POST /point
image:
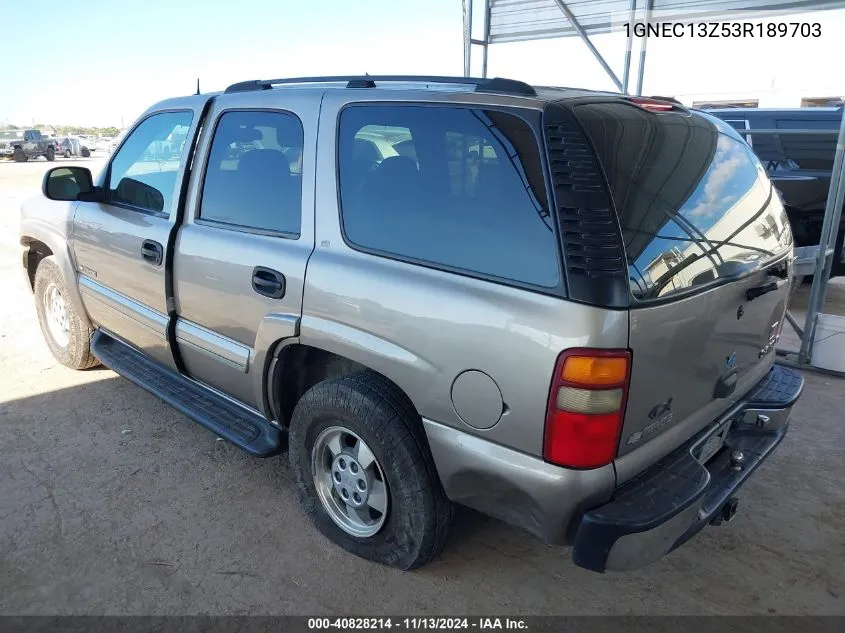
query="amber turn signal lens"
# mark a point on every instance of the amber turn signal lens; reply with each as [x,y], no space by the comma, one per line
[595,371]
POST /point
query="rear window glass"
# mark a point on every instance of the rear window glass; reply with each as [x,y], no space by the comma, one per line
[458,188]
[254,174]
[694,204]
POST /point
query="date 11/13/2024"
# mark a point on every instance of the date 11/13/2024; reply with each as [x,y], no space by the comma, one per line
[723,29]
[418,623]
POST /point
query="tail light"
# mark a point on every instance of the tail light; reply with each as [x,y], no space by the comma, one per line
[587,400]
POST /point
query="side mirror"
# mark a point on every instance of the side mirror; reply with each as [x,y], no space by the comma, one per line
[67,183]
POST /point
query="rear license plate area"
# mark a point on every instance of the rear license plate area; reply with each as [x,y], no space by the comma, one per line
[711,445]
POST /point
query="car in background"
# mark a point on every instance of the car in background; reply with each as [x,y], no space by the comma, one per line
[103,144]
[799,165]
[22,145]
[71,146]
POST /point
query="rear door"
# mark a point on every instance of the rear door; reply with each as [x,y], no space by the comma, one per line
[241,253]
[707,242]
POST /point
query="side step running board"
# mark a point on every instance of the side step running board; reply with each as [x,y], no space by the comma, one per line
[244,429]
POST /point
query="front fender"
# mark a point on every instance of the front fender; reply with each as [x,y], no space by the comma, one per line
[49,222]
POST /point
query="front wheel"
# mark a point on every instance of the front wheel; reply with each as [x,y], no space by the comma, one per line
[85,152]
[19,155]
[364,472]
[66,334]
[67,153]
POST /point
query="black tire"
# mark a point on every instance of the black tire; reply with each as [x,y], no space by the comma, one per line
[19,155]
[85,152]
[419,516]
[50,154]
[76,354]
[67,153]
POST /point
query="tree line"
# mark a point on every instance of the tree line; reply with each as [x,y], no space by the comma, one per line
[63,130]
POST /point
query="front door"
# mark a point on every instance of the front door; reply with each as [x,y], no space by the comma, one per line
[119,244]
[241,253]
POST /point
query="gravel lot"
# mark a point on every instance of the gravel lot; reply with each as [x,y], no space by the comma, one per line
[111,502]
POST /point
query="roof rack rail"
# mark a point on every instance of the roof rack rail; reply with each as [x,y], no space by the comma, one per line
[496,84]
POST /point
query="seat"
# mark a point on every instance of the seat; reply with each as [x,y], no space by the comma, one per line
[396,179]
[263,167]
[260,193]
[269,192]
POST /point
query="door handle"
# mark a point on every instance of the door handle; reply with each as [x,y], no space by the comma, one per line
[759,291]
[152,251]
[268,282]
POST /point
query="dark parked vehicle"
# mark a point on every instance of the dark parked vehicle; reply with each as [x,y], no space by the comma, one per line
[555,306]
[799,165]
[25,144]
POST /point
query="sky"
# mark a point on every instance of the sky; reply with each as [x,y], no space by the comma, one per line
[108,60]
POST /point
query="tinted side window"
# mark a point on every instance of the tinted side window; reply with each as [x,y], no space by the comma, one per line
[143,172]
[456,187]
[693,201]
[254,173]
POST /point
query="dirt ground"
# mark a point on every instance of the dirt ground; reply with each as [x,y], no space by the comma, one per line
[113,503]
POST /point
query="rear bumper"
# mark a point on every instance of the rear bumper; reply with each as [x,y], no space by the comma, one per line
[664,506]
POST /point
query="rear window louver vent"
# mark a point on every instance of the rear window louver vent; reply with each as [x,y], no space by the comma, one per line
[589,229]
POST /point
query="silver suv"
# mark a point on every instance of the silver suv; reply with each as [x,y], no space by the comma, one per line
[556,306]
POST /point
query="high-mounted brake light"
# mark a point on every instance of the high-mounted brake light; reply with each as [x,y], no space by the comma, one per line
[586,407]
[653,105]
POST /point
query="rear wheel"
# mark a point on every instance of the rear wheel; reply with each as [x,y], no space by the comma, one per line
[67,153]
[66,334]
[50,154]
[19,155]
[364,472]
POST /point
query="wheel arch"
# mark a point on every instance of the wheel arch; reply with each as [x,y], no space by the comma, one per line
[34,251]
[294,367]
[39,243]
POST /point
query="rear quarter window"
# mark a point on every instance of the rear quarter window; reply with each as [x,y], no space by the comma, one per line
[694,204]
[456,188]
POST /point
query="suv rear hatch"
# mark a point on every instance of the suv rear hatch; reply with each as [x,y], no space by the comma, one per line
[706,245]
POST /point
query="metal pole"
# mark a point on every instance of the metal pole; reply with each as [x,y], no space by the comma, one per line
[579,29]
[467,36]
[827,243]
[626,72]
[643,40]
[765,131]
[486,38]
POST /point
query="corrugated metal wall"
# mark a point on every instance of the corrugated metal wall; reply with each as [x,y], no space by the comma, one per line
[515,20]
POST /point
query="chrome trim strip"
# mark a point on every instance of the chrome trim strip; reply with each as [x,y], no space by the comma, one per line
[226,396]
[213,344]
[199,383]
[144,315]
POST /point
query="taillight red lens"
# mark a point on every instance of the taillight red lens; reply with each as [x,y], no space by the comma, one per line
[582,440]
[583,423]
